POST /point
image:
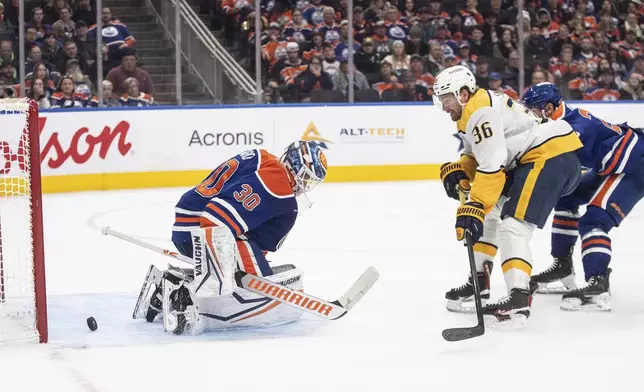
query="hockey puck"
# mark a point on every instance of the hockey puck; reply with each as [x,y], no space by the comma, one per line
[91,323]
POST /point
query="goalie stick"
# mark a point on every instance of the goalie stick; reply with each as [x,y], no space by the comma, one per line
[456,334]
[330,310]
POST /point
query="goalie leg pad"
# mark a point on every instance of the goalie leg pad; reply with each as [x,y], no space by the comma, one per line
[152,280]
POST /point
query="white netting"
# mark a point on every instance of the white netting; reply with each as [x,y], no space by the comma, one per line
[17,292]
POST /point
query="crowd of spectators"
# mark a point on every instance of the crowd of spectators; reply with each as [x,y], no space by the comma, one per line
[61,61]
[592,49]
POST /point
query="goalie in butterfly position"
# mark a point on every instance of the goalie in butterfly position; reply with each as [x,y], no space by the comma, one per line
[242,210]
[519,167]
[611,187]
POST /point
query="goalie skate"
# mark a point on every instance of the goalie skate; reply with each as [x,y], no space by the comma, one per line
[595,297]
[461,299]
[559,278]
[142,307]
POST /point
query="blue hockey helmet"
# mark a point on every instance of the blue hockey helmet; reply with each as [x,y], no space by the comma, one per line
[541,94]
[307,163]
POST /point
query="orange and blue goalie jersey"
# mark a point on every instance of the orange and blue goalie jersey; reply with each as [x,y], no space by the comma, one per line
[251,194]
[608,148]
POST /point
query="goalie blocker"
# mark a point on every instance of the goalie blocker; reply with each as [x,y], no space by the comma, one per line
[206,298]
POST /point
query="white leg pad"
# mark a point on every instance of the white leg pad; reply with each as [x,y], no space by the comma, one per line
[514,243]
[214,253]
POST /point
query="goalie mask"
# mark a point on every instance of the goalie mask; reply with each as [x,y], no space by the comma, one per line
[307,163]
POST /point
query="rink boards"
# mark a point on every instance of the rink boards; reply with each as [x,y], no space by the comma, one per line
[177,146]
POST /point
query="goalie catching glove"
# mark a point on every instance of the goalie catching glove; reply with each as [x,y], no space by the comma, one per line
[454,178]
[469,217]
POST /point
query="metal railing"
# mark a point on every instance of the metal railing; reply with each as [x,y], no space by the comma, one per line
[222,76]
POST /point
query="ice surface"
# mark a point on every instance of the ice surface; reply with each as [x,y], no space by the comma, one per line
[390,341]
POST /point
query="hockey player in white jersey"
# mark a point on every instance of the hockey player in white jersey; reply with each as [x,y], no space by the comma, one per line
[515,167]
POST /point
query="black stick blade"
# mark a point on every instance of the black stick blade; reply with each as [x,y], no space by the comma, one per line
[456,334]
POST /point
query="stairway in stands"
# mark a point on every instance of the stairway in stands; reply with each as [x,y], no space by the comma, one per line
[156,54]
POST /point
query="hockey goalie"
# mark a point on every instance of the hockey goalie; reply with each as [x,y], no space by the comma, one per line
[244,209]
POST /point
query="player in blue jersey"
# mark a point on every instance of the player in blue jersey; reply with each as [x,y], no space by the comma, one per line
[611,187]
[243,209]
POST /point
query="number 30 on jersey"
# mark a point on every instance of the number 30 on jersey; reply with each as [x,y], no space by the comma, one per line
[481,132]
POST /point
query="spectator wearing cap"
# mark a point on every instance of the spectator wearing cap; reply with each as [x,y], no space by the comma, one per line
[8,70]
[274,48]
[70,51]
[328,27]
[37,22]
[360,25]
[398,58]
[287,68]
[548,27]
[367,61]
[465,57]
[491,29]
[414,92]
[312,78]
[115,34]
[133,96]
[417,69]
[65,27]
[341,79]
[606,89]
[397,28]
[128,69]
[415,44]
[298,30]
[82,83]
[314,12]
[505,45]
[435,63]
[537,47]
[66,97]
[496,84]
[632,89]
[380,39]
[83,11]
[330,63]
[342,47]
[80,39]
[478,45]
[51,49]
[388,80]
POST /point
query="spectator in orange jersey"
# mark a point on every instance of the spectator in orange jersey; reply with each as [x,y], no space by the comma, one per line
[564,68]
[417,69]
[311,79]
[632,89]
[287,68]
[496,84]
[630,48]
[578,86]
[274,49]
[606,90]
[608,25]
[548,27]
[317,41]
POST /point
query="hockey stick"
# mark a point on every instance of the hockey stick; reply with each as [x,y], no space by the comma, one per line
[456,334]
[330,310]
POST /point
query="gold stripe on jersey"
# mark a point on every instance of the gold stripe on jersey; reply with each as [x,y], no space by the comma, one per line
[480,99]
[469,165]
[552,147]
[528,188]
[487,188]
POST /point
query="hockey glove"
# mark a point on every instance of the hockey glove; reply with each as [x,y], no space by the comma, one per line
[454,178]
[469,217]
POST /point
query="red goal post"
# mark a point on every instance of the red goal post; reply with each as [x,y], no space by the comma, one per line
[23,299]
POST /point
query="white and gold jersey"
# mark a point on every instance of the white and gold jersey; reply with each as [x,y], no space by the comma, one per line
[498,134]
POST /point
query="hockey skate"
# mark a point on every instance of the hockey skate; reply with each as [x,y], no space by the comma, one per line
[595,297]
[461,299]
[512,310]
[559,278]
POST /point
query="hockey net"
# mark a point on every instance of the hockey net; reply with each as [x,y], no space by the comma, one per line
[23,308]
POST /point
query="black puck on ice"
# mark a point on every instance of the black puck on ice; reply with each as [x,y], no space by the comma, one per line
[91,323]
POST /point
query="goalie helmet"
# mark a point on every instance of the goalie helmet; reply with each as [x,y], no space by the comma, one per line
[451,80]
[307,163]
